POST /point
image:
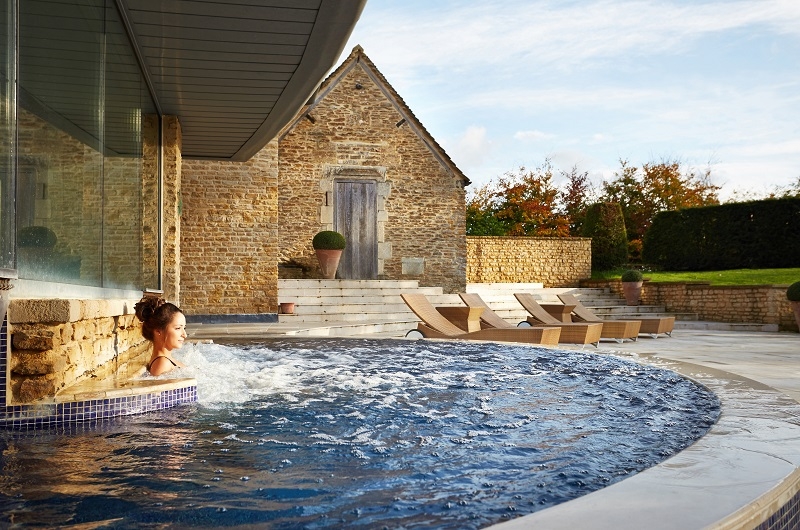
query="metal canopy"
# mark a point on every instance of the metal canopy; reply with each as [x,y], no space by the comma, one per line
[236,72]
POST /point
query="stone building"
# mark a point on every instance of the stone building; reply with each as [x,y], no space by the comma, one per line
[357,160]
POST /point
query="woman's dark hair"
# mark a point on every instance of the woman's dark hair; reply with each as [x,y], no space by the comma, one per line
[154,313]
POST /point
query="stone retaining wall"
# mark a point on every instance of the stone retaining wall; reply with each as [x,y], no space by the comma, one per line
[58,343]
[757,304]
[554,262]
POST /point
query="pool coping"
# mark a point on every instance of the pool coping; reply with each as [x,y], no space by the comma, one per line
[742,474]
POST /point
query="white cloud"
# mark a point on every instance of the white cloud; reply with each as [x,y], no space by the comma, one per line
[471,148]
[533,136]
[607,80]
[446,36]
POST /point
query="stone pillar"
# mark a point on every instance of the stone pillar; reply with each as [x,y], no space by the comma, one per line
[171,201]
[150,201]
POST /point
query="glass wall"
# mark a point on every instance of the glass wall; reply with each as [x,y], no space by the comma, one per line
[87,164]
[7,38]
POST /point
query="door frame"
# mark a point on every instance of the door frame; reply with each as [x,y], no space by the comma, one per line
[331,173]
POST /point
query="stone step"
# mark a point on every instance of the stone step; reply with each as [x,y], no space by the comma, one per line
[396,328]
[287,293]
[364,298]
[724,326]
[347,284]
[348,316]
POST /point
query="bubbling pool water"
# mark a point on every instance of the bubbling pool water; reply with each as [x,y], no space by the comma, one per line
[361,433]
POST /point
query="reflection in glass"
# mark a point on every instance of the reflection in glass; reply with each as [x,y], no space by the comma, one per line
[81,173]
[6,136]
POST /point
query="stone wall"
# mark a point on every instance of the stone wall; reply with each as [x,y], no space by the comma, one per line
[94,204]
[171,197]
[229,235]
[757,304]
[58,343]
[356,131]
[554,262]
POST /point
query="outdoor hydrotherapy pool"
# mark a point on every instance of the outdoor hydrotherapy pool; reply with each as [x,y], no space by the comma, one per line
[360,433]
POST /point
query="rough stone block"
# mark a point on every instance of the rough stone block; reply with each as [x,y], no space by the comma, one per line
[55,310]
[34,388]
[25,362]
[34,339]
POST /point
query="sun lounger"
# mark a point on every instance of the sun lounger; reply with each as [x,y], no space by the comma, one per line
[571,332]
[435,325]
[618,330]
[649,325]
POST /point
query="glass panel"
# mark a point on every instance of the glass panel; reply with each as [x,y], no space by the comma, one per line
[87,173]
[60,108]
[129,180]
[6,136]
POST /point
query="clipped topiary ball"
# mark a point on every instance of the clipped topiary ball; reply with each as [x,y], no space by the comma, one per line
[793,292]
[631,275]
[328,240]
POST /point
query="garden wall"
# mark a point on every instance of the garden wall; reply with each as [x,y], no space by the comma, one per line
[757,304]
[555,262]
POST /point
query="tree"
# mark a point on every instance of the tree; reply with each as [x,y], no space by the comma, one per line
[521,203]
[526,201]
[657,187]
[481,220]
[605,225]
[575,198]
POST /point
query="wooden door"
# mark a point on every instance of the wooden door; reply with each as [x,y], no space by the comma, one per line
[356,218]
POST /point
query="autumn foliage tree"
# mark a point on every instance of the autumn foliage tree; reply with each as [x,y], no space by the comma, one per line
[521,203]
[657,187]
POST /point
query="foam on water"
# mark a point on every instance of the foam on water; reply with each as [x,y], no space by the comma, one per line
[332,433]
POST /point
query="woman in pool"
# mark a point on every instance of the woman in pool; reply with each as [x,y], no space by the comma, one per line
[164,325]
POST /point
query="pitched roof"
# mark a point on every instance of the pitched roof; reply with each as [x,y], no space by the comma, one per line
[358,57]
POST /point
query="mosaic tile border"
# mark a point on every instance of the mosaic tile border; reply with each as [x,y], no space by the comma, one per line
[43,416]
[27,417]
[786,518]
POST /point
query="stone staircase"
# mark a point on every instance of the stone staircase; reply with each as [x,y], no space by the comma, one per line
[374,307]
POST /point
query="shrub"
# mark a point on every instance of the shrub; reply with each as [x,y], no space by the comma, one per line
[328,240]
[793,292]
[747,235]
[36,236]
[631,275]
[605,225]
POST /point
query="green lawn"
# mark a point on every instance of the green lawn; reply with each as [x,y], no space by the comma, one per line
[730,277]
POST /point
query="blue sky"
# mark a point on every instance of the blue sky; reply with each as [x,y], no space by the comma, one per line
[590,82]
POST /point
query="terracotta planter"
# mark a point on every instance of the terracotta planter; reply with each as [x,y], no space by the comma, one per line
[632,291]
[328,262]
[286,308]
[796,309]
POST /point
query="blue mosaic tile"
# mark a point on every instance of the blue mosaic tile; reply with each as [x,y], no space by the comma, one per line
[786,518]
[32,417]
[3,360]
[38,417]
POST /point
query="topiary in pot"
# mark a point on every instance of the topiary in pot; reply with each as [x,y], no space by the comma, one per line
[328,246]
[793,295]
[632,286]
[631,275]
[328,240]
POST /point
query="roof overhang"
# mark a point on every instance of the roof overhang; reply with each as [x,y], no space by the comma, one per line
[236,72]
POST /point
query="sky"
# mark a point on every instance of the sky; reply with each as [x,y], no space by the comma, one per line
[587,83]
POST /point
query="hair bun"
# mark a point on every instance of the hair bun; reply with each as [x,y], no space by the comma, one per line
[147,306]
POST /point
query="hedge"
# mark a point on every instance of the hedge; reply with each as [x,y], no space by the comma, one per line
[757,234]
